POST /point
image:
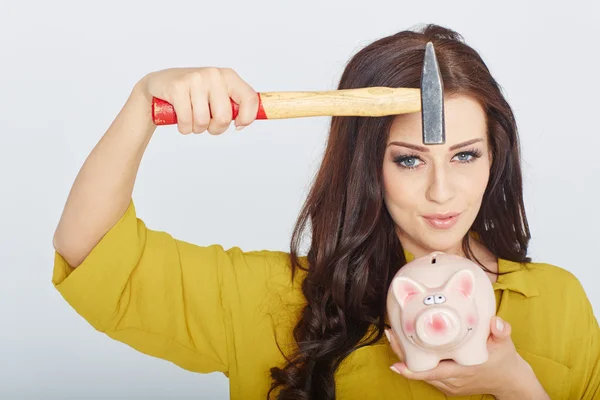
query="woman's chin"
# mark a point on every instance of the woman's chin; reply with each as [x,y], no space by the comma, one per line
[426,239]
[448,242]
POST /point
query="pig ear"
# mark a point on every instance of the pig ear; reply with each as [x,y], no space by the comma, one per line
[462,281]
[404,288]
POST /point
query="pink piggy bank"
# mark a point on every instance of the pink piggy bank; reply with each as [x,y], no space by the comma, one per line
[440,307]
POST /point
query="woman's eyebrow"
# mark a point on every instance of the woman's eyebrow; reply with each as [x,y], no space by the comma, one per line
[425,149]
[464,144]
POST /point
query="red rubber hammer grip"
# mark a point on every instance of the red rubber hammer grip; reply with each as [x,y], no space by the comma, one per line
[163,112]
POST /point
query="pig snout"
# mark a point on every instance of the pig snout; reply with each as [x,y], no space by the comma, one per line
[438,324]
[437,327]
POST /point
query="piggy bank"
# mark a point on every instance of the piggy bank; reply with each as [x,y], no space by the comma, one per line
[440,307]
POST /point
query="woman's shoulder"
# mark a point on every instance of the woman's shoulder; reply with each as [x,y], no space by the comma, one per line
[546,280]
[549,271]
[273,262]
[262,276]
[550,275]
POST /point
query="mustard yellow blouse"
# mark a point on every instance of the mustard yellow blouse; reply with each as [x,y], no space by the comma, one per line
[208,309]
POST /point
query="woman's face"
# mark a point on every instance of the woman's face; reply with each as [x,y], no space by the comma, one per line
[434,192]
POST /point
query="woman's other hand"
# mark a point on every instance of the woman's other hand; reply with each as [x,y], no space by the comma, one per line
[196,93]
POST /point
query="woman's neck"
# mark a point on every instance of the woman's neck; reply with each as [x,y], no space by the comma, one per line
[479,250]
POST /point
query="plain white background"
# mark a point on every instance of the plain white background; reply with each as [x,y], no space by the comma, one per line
[68,66]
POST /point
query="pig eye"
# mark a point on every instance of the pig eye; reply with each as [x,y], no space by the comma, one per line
[440,298]
[429,300]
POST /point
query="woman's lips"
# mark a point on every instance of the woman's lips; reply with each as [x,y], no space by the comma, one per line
[442,221]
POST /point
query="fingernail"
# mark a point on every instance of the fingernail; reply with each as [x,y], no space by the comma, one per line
[395,370]
[240,127]
[499,324]
[387,334]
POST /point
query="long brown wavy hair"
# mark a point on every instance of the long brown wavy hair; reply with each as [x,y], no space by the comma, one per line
[354,250]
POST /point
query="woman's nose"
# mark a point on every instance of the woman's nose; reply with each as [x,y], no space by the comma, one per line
[440,189]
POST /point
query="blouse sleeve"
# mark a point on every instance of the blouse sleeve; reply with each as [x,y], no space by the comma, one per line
[161,296]
[585,349]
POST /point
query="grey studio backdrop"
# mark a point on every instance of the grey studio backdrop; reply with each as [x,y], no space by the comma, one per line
[68,66]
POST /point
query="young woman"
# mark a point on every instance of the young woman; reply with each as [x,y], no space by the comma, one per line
[313,326]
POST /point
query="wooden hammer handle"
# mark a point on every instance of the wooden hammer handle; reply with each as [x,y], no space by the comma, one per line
[362,102]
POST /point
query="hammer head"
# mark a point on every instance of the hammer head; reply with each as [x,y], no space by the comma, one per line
[432,99]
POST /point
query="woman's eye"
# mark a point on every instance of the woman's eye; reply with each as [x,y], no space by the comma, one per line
[408,162]
[464,156]
[468,156]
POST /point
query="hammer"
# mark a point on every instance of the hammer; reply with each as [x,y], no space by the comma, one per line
[362,102]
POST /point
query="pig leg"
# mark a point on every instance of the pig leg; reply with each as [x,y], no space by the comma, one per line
[474,357]
[473,353]
[421,361]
